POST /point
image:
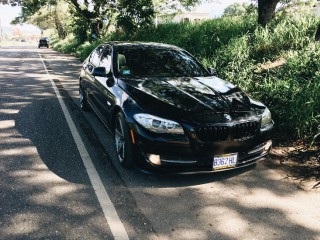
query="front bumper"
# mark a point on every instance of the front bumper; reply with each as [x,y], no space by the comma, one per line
[185,154]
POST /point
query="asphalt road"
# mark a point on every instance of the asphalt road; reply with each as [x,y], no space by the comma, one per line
[47,191]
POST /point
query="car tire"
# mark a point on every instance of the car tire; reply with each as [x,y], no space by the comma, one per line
[123,144]
[84,105]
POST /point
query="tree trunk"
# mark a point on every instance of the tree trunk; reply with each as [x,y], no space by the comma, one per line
[266,11]
[317,37]
[59,26]
[95,30]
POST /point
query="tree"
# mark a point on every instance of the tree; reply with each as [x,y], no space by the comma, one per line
[60,16]
[317,37]
[267,8]
[166,7]
[192,3]
[135,14]
[93,12]
[11,2]
[238,9]
[266,11]
[90,17]
[53,17]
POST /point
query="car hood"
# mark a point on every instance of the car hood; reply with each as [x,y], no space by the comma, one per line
[198,95]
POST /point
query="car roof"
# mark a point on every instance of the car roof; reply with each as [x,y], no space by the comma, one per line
[138,44]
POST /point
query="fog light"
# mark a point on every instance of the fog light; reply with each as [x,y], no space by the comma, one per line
[155,159]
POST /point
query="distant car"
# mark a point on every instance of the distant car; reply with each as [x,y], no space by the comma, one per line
[168,112]
[43,42]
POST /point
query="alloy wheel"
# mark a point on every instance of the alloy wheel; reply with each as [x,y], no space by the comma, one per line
[120,141]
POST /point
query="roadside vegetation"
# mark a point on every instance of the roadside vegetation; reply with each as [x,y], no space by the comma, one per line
[278,64]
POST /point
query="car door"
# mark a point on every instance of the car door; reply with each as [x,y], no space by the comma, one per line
[91,82]
[102,94]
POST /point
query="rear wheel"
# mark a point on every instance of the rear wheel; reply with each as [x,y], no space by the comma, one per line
[123,143]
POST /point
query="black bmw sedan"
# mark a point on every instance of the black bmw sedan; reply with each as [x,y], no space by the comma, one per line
[167,112]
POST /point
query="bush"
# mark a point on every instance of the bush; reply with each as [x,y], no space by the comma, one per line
[295,93]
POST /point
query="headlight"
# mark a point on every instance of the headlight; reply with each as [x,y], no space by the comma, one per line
[157,124]
[266,119]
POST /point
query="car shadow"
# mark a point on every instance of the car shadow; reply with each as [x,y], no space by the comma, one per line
[44,124]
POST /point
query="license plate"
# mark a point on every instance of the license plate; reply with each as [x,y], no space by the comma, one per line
[224,161]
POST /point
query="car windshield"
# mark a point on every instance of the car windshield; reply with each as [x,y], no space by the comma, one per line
[156,62]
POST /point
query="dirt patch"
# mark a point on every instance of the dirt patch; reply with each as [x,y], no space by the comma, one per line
[300,163]
[265,67]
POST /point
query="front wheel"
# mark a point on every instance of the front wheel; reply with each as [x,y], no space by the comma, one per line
[84,105]
[123,143]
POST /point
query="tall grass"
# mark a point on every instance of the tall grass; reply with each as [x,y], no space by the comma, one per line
[238,49]
[202,40]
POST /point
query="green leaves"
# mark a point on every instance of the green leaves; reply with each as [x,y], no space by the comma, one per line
[239,9]
[135,14]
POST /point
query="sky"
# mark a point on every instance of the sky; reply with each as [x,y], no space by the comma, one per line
[216,7]
[8,13]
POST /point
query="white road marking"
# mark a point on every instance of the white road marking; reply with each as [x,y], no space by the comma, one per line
[110,213]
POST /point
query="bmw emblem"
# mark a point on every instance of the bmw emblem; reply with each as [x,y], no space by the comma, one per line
[227,117]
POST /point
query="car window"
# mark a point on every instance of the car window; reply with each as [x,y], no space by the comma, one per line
[151,62]
[92,56]
[106,59]
[96,56]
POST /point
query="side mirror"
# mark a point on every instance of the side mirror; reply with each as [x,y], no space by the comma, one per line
[110,81]
[99,72]
[212,71]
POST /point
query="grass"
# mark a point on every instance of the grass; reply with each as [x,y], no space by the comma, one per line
[238,49]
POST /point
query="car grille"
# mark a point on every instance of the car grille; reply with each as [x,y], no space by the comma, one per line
[215,133]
